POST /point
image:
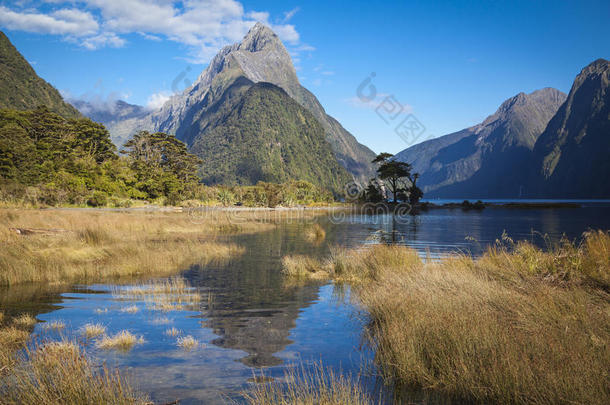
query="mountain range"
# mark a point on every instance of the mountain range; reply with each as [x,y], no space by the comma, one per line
[539,145]
[207,105]
[249,119]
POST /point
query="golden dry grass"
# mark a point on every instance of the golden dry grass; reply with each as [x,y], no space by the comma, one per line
[60,373]
[304,387]
[55,325]
[172,331]
[11,340]
[187,342]
[123,340]
[89,245]
[24,321]
[92,330]
[516,326]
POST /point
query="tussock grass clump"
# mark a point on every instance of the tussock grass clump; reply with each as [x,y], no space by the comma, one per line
[132,309]
[60,373]
[172,331]
[353,266]
[303,267]
[316,387]
[517,326]
[315,233]
[92,330]
[24,321]
[123,340]
[187,342]
[11,340]
[56,325]
[52,246]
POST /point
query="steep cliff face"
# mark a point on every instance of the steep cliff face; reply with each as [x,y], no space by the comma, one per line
[488,159]
[22,89]
[572,156]
[259,57]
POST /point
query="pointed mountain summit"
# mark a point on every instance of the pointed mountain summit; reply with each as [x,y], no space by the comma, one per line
[22,89]
[259,57]
[485,160]
[572,156]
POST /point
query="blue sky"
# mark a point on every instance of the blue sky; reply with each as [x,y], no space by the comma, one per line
[448,63]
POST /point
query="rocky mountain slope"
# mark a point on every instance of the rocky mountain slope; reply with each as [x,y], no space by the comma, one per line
[572,156]
[489,159]
[22,89]
[259,57]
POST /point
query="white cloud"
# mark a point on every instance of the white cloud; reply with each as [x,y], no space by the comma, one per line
[102,40]
[203,25]
[156,100]
[60,22]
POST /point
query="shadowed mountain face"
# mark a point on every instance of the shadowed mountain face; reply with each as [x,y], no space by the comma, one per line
[260,57]
[488,159]
[22,89]
[572,156]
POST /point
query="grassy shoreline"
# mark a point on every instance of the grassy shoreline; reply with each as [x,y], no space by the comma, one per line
[516,326]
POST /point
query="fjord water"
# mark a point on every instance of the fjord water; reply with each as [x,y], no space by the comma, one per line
[251,320]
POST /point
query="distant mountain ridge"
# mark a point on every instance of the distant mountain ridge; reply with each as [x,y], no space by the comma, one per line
[259,57]
[22,89]
[481,161]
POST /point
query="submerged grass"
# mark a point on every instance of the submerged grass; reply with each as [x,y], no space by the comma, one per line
[165,295]
[57,245]
[92,330]
[517,326]
[318,386]
[187,342]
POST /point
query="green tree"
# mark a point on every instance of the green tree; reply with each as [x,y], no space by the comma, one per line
[163,165]
[397,177]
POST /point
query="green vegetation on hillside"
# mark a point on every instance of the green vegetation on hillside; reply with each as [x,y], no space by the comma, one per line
[22,89]
[49,160]
[267,136]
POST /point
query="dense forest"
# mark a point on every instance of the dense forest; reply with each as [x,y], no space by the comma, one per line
[46,159]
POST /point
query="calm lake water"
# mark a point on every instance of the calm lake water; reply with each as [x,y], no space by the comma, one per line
[251,320]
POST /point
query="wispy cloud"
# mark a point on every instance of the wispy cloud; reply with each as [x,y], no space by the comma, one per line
[289,14]
[203,25]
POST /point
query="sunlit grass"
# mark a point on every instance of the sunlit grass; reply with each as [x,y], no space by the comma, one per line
[92,330]
[187,342]
[517,326]
[132,309]
[60,373]
[64,245]
[56,325]
[318,386]
[24,320]
[123,340]
[172,332]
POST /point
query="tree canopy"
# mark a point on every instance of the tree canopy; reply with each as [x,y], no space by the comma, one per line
[397,177]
